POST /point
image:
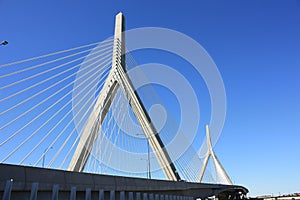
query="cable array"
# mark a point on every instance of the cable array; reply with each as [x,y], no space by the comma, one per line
[38,119]
[46,101]
[121,147]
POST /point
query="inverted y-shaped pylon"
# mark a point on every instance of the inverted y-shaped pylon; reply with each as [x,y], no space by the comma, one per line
[118,78]
[219,168]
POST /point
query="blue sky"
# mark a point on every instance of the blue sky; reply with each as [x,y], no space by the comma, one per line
[255,44]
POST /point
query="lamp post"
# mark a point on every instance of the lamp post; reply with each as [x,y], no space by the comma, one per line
[148,148]
[44,156]
[4,42]
[148,157]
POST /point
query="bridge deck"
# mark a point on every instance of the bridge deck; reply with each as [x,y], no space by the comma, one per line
[24,176]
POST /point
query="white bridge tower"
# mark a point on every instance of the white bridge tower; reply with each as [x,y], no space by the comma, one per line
[118,78]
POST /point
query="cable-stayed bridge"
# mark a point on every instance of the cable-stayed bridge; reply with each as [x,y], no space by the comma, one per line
[78,110]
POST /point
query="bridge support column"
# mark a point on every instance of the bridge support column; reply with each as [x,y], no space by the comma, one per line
[101,194]
[88,194]
[112,195]
[73,193]
[145,196]
[122,195]
[55,190]
[7,191]
[151,196]
[162,197]
[34,190]
[138,196]
[130,196]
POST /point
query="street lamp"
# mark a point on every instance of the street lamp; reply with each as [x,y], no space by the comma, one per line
[44,156]
[148,159]
[148,148]
[4,42]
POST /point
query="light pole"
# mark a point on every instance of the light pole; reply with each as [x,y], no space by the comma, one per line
[44,156]
[148,148]
[148,159]
[4,42]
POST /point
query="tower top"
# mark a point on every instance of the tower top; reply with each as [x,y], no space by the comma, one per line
[119,40]
[119,23]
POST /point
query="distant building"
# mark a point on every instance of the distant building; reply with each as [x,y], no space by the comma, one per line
[295,196]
